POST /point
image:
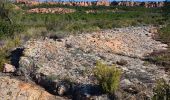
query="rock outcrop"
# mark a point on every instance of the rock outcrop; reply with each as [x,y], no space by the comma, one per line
[13,89]
[145,4]
[8,68]
[65,66]
[96,3]
[51,10]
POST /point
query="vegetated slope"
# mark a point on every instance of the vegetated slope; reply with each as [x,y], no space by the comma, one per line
[25,25]
[163,57]
[71,60]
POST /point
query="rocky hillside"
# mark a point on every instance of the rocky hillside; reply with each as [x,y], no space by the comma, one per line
[64,66]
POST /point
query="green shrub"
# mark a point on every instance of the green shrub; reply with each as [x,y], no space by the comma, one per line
[3,58]
[164,34]
[6,50]
[7,29]
[162,90]
[163,58]
[10,19]
[108,77]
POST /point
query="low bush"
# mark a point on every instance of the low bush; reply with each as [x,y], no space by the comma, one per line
[108,77]
[5,50]
[163,58]
[162,90]
[164,34]
[8,30]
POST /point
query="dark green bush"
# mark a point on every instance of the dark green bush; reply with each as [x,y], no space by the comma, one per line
[8,30]
[9,19]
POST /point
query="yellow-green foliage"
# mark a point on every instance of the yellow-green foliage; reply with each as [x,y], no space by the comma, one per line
[162,90]
[5,50]
[108,77]
[11,43]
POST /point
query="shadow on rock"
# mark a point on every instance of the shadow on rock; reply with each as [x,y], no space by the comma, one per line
[15,56]
[74,91]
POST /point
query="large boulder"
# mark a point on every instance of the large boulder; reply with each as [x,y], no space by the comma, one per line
[13,89]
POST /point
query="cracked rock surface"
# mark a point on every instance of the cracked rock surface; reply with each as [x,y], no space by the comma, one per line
[73,58]
[13,89]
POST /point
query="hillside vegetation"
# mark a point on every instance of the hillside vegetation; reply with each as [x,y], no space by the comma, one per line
[163,57]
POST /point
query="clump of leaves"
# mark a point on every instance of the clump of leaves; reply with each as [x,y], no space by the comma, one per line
[108,77]
[162,90]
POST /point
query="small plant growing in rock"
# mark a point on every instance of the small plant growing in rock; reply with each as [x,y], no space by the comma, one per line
[162,90]
[108,77]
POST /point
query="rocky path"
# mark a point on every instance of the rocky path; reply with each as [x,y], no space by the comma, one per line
[65,66]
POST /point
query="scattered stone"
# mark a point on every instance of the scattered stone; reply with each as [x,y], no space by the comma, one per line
[100,97]
[122,62]
[125,83]
[132,90]
[8,68]
[61,90]
[68,46]
[153,30]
